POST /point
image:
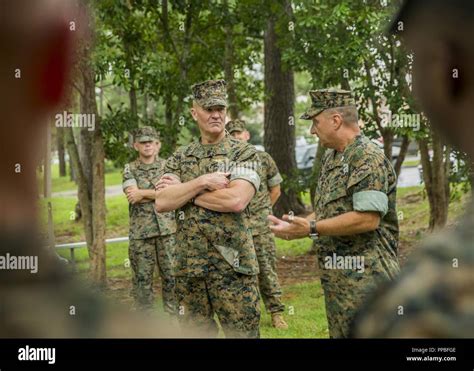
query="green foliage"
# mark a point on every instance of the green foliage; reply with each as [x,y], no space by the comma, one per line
[459,177]
[151,51]
[345,44]
[116,127]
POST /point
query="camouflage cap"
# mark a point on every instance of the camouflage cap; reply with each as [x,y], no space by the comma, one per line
[145,134]
[210,93]
[235,125]
[327,98]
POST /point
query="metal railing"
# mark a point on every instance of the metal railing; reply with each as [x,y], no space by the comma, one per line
[77,245]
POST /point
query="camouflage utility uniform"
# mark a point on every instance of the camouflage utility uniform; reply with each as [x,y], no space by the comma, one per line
[152,238]
[360,178]
[260,207]
[216,262]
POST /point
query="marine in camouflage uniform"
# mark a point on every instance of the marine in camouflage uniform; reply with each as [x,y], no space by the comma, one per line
[360,178]
[355,210]
[260,207]
[152,234]
[217,266]
[433,296]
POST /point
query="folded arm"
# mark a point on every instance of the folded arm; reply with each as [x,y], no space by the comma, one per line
[174,196]
[136,195]
[233,199]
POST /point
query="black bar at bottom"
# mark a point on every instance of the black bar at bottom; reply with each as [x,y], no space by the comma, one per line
[140,352]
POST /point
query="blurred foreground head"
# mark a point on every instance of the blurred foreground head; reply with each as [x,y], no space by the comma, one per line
[36,42]
[433,296]
[439,32]
[36,45]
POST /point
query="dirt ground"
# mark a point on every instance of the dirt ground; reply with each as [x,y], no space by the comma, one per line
[291,270]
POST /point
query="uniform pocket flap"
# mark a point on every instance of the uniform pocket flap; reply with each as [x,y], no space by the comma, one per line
[335,194]
[230,255]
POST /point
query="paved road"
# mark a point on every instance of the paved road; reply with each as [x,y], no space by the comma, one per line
[114,190]
[409,176]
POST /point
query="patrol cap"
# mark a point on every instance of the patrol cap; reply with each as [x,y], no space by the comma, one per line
[235,126]
[145,134]
[323,99]
[210,93]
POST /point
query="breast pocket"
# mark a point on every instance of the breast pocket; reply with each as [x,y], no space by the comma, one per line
[143,182]
[189,170]
[334,198]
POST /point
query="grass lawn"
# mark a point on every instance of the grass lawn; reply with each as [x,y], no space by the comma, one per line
[61,184]
[412,207]
[305,312]
[411,163]
[413,210]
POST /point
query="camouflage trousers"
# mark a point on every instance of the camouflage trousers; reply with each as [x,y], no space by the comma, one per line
[144,256]
[346,290]
[268,279]
[232,296]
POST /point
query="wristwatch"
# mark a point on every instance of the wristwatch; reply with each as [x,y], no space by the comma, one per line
[313,233]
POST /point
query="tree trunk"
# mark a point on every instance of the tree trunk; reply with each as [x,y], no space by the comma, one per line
[471,176]
[402,155]
[85,149]
[279,128]
[82,185]
[229,67]
[89,165]
[72,174]
[97,250]
[439,182]
[387,136]
[61,152]
[132,93]
[435,176]
[168,109]
[145,106]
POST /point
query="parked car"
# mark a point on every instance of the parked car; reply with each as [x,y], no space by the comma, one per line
[305,156]
[395,149]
